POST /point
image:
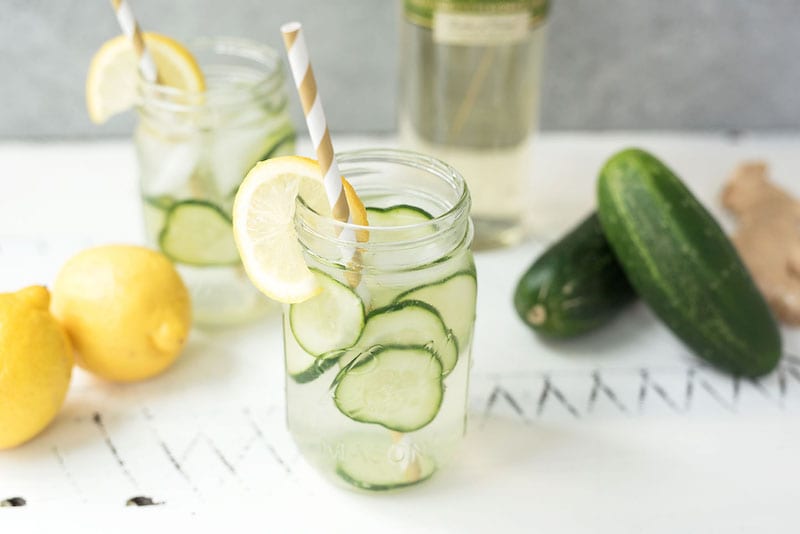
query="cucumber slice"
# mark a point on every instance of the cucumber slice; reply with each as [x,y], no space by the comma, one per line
[329,322]
[397,387]
[303,367]
[376,464]
[397,216]
[379,295]
[410,322]
[454,299]
[197,232]
[162,202]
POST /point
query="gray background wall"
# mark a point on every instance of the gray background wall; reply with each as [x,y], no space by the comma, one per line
[610,64]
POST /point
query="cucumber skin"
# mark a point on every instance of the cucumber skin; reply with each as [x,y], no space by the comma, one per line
[683,265]
[577,285]
[379,487]
[427,216]
[315,371]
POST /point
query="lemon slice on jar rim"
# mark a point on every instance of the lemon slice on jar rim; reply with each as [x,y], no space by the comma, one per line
[263,224]
[113,73]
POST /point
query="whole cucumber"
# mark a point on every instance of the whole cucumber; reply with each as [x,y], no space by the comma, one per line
[683,265]
[574,286]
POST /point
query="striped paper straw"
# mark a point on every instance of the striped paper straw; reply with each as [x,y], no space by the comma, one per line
[303,75]
[147,67]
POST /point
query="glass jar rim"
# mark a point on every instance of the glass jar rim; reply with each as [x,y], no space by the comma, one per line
[265,61]
[344,234]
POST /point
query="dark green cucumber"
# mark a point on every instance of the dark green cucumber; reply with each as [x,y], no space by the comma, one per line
[575,286]
[682,264]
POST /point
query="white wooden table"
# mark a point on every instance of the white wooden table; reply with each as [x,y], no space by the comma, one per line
[621,431]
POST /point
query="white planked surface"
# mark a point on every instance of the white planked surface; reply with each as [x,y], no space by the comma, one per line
[621,431]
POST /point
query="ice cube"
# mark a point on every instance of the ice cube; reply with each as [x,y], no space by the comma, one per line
[166,162]
[234,151]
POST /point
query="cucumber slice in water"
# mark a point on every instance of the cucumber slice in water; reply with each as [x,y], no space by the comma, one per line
[454,299]
[330,322]
[380,296]
[303,367]
[199,233]
[378,464]
[399,215]
[397,387]
[407,323]
[162,202]
[393,216]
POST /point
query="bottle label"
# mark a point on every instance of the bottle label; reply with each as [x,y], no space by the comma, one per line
[478,29]
[477,22]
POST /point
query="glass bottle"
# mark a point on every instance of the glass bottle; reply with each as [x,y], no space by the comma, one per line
[469,94]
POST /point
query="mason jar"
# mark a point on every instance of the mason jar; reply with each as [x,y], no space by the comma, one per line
[378,363]
[469,94]
[194,149]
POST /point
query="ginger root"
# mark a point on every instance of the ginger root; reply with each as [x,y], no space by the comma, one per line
[768,236]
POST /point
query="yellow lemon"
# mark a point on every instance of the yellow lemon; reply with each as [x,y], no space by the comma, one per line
[35,365]
[125,309]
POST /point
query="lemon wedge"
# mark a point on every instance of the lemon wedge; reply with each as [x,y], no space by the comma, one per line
[113,73]
[263,226]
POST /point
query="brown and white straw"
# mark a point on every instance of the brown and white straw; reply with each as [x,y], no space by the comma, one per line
[147,67]
[303,74]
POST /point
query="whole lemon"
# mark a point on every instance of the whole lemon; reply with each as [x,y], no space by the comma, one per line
[35,365]
[125,309]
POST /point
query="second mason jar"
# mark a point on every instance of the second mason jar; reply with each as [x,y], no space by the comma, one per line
[378,363]
[469,94]
[194,150]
